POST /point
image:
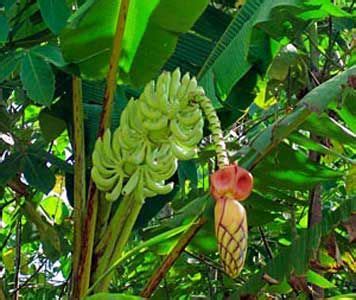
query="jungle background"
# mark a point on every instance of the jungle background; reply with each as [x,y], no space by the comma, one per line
[281,76]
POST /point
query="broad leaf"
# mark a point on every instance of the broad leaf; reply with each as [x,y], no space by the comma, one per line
[38,174]
[51,126]
[319,280]
[51,53]
[315,101]
[296,257]
[243,44]
[53,206]
[151,35]
[4,28]
[8,63]
[37,78]
[55,13]
[9,167]
[285,168]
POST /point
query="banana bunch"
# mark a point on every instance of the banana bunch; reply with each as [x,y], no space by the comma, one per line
[107,171]
[170,113]
[165,124]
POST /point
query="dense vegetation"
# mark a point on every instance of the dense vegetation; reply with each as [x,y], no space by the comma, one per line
[282,79]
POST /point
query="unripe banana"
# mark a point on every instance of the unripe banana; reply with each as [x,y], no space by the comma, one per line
[106,146]
[174,86]
[159,137]
[148,193]
[157,124]
[156,186]
[182,91]
[165,172]
[103,183]
[106,171]
[177,131]
[182,152]
[132,182]
[150,96]
[149,112]
[162,90]
[138,156]
[191,118]
[116,191]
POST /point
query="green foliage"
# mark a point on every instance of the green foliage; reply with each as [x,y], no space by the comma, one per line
[282,76]
[150,36]
[38,79]
[55,13]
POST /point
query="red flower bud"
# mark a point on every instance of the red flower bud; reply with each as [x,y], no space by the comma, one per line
[232,182]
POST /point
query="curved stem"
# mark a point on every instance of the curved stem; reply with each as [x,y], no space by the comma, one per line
[215,128]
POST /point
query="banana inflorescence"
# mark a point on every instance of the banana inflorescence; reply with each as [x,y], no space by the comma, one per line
[229,185]
[161,127]
[164,125]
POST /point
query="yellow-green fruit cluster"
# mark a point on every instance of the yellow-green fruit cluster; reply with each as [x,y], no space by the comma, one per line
[165,124]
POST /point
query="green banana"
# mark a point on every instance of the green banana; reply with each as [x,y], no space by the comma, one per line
[189,118]
[149,112]
[174,86]
[165,124]
[104,184]
[132,182]
[182,152]
[157,186]
[157,124]
[116,191]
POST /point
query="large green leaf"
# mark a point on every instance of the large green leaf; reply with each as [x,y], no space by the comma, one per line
[296,257]
[38,174]
[9,167]
[323,125]
[8,63]
[285,168]
[50,53]
[50,125]
[316,100]
[37,78]
[313,145]
[319,280]
[55,13]
[151,34]
[4,28]
[244,45]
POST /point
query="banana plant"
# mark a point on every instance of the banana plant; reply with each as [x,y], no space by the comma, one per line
[164,125]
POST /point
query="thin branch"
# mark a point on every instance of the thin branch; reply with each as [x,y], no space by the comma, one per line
[28,280]
[7,237]
[265,242]
[171,258]
[205,260]
[17,258]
